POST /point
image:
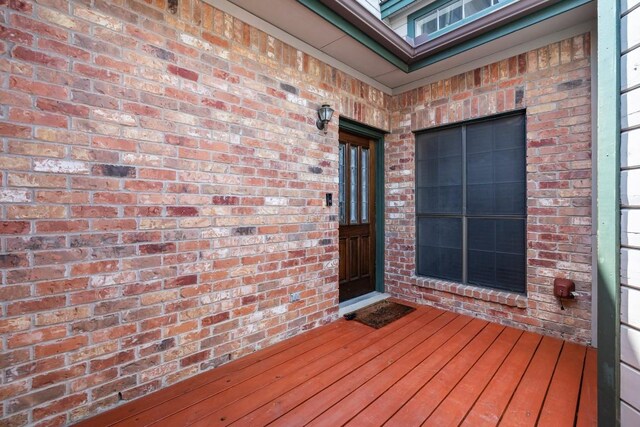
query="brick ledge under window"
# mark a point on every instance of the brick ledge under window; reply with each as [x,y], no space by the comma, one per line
[485,294]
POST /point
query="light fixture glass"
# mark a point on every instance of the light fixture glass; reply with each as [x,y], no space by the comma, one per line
[324,117]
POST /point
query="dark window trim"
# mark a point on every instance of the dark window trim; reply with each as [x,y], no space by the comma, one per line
[464,216]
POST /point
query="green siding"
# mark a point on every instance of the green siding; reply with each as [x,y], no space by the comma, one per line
[392,6]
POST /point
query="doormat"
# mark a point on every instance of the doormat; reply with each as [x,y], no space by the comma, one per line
[380,314]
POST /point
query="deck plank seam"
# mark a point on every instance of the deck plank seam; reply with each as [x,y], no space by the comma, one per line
[367,382]
[464,374]
[367,361]
[170,393]
[400,378]
[442,367]
[357,366]
[513,393]
[370,331]
[488,380]
[496,373]
[546,393]
[351,334]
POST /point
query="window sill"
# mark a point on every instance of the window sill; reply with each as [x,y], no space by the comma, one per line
[510,299]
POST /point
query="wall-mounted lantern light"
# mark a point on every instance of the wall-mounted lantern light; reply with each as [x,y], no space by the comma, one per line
[324,117]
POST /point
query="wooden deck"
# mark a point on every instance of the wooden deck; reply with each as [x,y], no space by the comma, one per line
[431,368]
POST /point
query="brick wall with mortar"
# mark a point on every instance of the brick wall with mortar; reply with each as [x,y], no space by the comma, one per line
[162,186]
[553,83]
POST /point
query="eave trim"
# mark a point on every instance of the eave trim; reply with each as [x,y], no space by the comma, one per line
[355,32]
[357,22]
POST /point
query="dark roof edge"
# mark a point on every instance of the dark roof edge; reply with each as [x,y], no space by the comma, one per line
[502,16]
[363,26]
[373,27]
[409,52]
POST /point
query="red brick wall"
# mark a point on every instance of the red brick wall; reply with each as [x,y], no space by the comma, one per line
[553,83]
[162,186]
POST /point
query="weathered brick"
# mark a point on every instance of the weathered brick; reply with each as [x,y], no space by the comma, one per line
[14,196]
[63,107]
[14,227]
[38,118]
[36,398]
[225,200]
[98,18]
[182,72]
[61,346]
[114,170]
[16,131]
[33,212]
[26,54]
[66,315]
[154,178]
[61,405]
[15,324]
[13,260]
[60,166]
[63,20]
[16,36]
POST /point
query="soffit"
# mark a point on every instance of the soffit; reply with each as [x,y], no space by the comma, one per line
[356,55]
[554,29]
[295,19]
[300,22]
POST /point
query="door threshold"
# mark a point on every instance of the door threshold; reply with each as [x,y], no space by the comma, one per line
[362,301]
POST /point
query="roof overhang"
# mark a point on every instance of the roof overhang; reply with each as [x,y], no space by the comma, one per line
[346,31]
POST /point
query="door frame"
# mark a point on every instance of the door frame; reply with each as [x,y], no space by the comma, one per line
[377,136]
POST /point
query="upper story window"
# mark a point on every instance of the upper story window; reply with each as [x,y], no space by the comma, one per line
[438,17]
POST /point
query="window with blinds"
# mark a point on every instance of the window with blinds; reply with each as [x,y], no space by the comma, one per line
[471,203]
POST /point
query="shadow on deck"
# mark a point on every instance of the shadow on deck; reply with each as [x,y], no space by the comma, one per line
[430,367]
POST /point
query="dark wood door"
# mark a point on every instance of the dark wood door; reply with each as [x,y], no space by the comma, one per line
[357,216]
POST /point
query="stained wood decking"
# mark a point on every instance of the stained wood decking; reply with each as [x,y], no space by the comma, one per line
[431,368]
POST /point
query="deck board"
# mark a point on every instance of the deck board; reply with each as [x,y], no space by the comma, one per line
[561,402]
[347,373]
[355,353]
[453,409]
[430,367]
[426,400]
[254,361]
[587,408]
[211,399]
[387,402]
[493,401]
[311,408]
[525,405]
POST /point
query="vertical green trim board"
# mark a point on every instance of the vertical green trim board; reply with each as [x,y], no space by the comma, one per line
[608,211]
[378,136]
